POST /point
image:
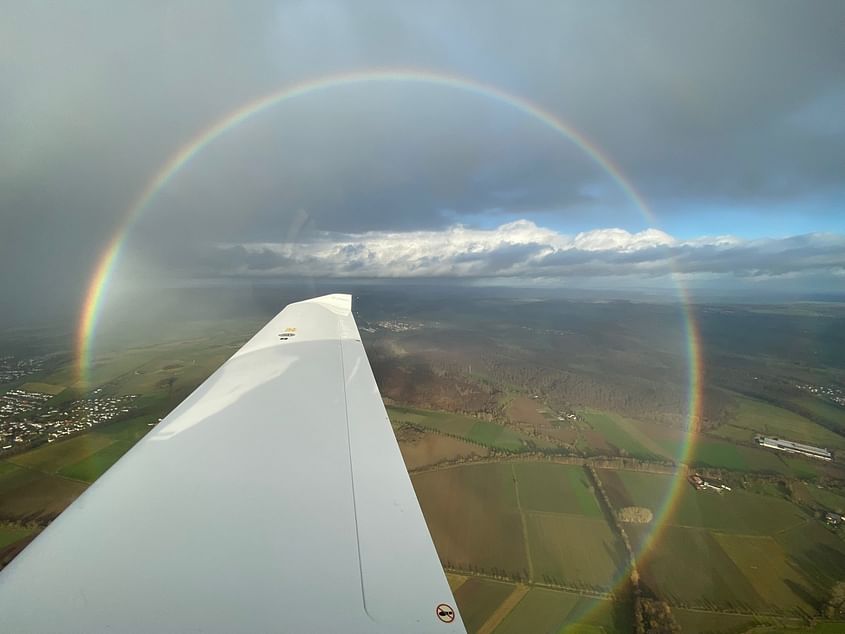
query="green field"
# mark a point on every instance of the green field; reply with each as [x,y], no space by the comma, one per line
[748,550]
[44,388]
[830,414]
[574,551]
[39,484]
[818,552]
[768,568]
[830,500]
[10,534]
[543,610]
[473,518]
[474,430]
[476,521]
[29,495]
[658,442]
[623,434]
[756,417]
[54,456]
[478,598]
[690,567]
[90,468]
[555,488]
[709,452]
[86,457]
[698,622]
[736,511]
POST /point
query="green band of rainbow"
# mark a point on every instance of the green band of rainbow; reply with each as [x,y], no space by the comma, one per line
[107,261]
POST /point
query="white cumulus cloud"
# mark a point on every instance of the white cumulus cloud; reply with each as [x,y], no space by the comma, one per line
[523,249]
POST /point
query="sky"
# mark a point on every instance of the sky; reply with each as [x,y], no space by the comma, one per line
[725,118]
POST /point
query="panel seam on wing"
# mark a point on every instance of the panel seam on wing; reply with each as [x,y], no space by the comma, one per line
[352,478]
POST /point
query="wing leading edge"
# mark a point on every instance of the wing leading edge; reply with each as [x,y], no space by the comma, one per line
[274,498]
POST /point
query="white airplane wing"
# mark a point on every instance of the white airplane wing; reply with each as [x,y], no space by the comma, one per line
[273,499]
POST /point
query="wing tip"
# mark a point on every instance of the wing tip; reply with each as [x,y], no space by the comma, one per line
[338,303]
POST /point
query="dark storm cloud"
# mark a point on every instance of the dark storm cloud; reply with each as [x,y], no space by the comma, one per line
[699,103]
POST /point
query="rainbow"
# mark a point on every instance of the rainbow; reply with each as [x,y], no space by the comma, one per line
[107,261]
[170,168]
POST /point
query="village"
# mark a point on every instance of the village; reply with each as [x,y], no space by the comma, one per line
[26,419]
[835,394]
[12,369]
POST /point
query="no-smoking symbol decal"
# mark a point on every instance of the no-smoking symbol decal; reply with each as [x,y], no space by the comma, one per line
[445,613]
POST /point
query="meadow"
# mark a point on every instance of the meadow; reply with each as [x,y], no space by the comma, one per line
[730,447]
[621,366]
[574,551]
[38,485]
[421,449]
[624,435]
[736,511]
[818,552]
[478,598]
[542,511]
[723,623]
[90,468]
[771,571]
[478,431]
[472,514]
[545,610]
[753,416]
[691,569]
[749,551]
[9,534]
[27,495]
[555,488]
[49,458]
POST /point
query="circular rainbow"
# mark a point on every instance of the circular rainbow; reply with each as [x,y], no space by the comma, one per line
[107,261]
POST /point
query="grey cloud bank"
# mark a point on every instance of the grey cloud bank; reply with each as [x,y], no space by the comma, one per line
[717,105]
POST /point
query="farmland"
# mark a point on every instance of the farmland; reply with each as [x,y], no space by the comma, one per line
[555,488]
[716,582]
[544,610]
[421,448]
[51,458]
[623,434]
[478,598]
[774,579]
[742,545]
[12,533]
[756,417]
[29,495]
[481,432]
[573,551]
[739,511]
[555,530]
[456,501]
[498,404]
[90,468]
[703,621]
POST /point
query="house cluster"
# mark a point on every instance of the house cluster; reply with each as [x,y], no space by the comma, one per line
[701,484]
[835,394]
[834,519]
[39,421]
[16,402]
[12,369]
[397,326]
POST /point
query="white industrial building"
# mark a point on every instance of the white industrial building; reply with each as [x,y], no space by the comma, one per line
[794,447]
